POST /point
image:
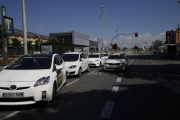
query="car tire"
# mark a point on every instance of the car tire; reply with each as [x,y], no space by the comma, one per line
[66,79]
[79,72]
[87,69]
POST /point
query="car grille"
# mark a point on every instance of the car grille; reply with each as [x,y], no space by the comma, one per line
[113,63]
[19,88]
[16,99]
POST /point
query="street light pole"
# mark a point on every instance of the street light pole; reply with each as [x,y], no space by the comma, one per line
[39,35]
[178,35]
[24,27]
[101,17]
[117,34]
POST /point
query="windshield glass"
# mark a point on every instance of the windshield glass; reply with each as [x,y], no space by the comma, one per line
[70,57]
[105,54]
[93,56]
[29,62]
[116,57]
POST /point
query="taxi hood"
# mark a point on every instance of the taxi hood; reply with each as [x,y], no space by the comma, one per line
[8,75]
[68,64]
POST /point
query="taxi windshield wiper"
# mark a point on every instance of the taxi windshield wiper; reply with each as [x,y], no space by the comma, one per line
[35,62]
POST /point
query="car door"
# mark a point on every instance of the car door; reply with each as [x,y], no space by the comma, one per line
[82,62]
[102,59]
[86,61]
[59,73]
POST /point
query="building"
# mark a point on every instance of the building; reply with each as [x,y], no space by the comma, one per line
[74,38]
[174,37]
[95,42]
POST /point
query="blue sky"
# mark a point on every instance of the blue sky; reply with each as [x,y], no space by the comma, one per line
[150,18]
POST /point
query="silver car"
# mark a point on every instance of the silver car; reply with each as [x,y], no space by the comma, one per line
[116,62]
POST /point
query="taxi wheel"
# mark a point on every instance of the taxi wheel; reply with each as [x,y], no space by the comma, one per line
[79,72]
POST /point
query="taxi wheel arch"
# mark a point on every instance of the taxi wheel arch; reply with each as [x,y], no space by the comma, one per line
[54,91]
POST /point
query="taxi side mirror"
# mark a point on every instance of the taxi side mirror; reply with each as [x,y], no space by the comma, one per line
[59,67]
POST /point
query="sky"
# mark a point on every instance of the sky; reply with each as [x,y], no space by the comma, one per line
[150,18]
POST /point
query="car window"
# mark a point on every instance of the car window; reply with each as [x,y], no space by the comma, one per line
[59,59]
[70,57]
[84,56]
[116,57]
[56,61]
[29,62]
[93,56]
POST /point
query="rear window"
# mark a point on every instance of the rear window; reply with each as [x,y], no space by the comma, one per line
[116,57]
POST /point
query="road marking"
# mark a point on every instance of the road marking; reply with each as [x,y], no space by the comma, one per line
[118,80]
[72,82]
[91,72]
[163,79]
[100,73]
[106,113]
[115,89]
[131,62]
[94,73]
[10,115]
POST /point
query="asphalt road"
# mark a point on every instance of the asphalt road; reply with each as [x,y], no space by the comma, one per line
[149,90]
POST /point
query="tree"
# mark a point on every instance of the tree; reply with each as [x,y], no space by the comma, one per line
[157,43]
[16,44]
[29,46]
[52,39]
[36,44]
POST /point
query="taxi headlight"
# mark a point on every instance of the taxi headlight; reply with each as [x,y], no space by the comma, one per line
[97,60]
[73,66]
[42,81]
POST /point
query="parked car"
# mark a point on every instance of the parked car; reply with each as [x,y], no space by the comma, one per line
[106,55]
[31,78]
[76,63]
[96,59]
[116,62]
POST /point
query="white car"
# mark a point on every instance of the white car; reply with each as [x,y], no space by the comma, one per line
[76,63]
[106,55]
[31,78]
[116,62]
[96,60]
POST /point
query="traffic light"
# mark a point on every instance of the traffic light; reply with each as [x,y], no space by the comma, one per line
[168,33]
[136,34]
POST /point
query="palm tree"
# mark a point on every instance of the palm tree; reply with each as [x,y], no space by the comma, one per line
[16,44]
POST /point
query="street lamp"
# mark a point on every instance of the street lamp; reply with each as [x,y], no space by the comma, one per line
[117,34]
[178,34]
[40,34]
[101,17]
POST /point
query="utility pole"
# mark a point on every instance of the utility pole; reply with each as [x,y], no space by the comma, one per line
[117,34]
[4,37]
[24,27]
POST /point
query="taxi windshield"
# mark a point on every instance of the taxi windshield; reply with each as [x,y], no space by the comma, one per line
[116,57]
[93,56]
[70,57]
[29,62]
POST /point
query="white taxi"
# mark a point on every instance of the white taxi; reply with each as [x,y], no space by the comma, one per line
[76,63]
[31,78]
[96,59]
[116,62]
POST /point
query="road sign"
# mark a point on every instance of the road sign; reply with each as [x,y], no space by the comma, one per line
[8,26]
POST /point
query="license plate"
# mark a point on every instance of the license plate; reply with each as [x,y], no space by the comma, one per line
[12,95]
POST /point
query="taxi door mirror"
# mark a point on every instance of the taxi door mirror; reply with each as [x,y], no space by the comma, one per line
[59,67]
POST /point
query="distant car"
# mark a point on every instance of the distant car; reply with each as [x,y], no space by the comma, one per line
[116,62]
[31,78]
[106,55]
[76,63]
[96,59]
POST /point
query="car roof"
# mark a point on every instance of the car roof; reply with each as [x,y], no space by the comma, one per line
[39,55]
[73,53]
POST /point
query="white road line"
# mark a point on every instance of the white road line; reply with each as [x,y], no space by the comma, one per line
[100,73]
[91,72]
[10,115]
[131,62]
[94,73]
[106,113]
[72,82]
[163,79]
[118,80]
[115,89]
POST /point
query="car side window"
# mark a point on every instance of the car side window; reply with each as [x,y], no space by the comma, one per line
[59,59]
[56,61]
[84,56]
